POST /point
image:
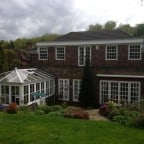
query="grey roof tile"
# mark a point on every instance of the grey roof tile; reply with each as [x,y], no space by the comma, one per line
[91,35]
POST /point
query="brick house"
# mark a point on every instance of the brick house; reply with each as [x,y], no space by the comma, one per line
[116,59]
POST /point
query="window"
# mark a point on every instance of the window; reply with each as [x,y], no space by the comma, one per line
[64,89]
[42,87]
[31,92]
[76,89]
[83,53]
[15,94]
[26,93]
[43,53]
[60,53]
[111,52]
[119,91]
[5,94]
[134,52]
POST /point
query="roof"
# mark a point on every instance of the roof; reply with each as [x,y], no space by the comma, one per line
[23,76]
[92,38]
[91,35]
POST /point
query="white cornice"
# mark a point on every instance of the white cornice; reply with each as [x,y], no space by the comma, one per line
[120,76]
[94,42]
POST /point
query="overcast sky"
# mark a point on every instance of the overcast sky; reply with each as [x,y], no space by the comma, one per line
[30,18]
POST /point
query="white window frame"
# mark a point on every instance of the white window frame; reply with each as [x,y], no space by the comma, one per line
[76,89]
[63,89]
[129,90]
[84,54]
[57,53]
[106,52]
[129,47]
[40,54]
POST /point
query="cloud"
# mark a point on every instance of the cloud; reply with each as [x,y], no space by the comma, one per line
[29,18]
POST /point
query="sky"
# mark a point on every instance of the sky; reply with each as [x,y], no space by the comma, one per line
[32,18]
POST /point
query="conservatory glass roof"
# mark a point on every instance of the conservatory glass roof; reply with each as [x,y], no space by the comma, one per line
[24,76]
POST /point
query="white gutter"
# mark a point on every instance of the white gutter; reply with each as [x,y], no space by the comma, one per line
[94,42]
[120,76]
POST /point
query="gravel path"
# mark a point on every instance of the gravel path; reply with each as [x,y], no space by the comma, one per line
[94,115]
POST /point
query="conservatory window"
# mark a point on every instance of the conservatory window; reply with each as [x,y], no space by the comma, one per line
[26,93]
[42,87]
[48,87]
[15,94]
[31,92]
[76,89]
[5,94]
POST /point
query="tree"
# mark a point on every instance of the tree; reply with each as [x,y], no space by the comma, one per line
[139,30]
[110,25]
[11,59]
[127,28]
[2,60]
[87,95]
[96,27]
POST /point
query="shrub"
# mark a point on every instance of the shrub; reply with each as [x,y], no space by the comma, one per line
[44,108]
[54,108]
[115,111]
[64,105]
[59,113]
[127,117]
[39,112]
[139,121]
[2,108]
[77,113]
[12,108]
[104,110]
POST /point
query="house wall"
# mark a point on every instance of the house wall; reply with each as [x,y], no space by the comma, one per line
[69,69]
[97,58]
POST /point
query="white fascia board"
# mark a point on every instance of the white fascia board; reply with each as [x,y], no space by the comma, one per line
[120,76]
[95,42]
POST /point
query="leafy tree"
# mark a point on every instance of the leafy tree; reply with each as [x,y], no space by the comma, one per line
[109,25]
[96,27]
[139,30]
[11,59]
[2,60]
[87,95]
[127,28]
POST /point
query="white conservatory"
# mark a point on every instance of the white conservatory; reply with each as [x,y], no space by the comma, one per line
[26,86]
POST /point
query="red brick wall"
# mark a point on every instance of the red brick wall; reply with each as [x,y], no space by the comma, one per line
[97,58]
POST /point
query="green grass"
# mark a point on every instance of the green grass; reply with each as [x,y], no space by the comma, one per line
[42,129]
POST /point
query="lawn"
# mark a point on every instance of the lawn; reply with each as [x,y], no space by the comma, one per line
[43,129]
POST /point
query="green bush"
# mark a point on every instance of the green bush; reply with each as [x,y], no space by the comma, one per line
[39,112]
[139,121]
[44,108]
[64,105]
[114,112]
[126,117]
[54,108]
[59,113]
